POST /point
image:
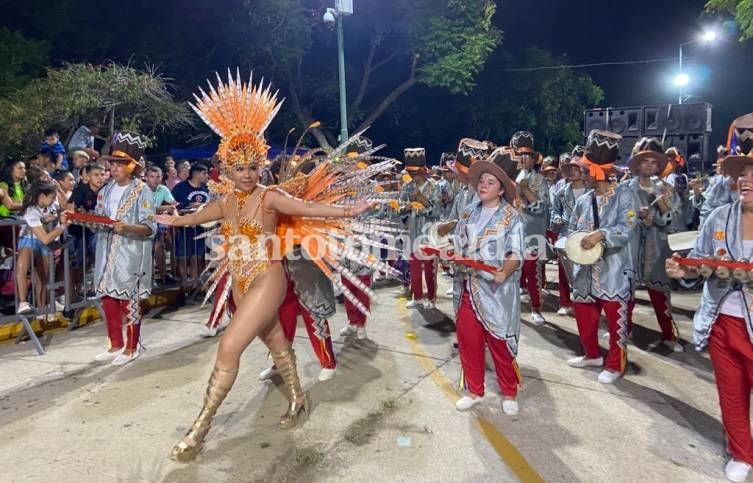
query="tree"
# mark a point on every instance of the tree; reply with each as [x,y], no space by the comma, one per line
[21,60]
[111,97]
[436,43]
[549,102]
[741,9]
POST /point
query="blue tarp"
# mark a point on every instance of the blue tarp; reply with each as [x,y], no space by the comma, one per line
[206,152]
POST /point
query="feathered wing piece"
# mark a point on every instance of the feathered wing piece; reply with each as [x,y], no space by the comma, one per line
[338,246]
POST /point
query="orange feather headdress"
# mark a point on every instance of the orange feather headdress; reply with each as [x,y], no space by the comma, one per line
[239,113]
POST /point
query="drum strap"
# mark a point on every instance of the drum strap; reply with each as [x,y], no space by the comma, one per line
[595,210]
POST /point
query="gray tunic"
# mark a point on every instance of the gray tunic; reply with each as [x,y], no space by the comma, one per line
[123,263]
[613,277]
[718,193]
[653,247]
[535,215]
[497,306]
[720,236]
[418,220]
[563,204]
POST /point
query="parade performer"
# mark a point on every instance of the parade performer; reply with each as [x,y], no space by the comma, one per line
[360,147]
[123,257]
[721,189]
[534,195]
[487,305]
[563,204]
[608,213]
[655,216]
[724,320]
[300,212]
[422,205]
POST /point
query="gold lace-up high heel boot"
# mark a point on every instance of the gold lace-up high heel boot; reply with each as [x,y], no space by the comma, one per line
[299,402]
[192,442]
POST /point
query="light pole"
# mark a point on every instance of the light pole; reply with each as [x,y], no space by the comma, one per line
[332,15]
[682,79]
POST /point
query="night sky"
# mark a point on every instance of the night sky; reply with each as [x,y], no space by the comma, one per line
[591,31]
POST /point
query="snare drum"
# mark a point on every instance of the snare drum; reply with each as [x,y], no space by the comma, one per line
[577,254]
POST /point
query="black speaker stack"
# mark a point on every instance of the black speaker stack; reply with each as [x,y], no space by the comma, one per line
[684,126]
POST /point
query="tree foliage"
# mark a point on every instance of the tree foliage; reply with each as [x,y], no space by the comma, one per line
[21,60]
[742,11]
[437,43]
[110,97]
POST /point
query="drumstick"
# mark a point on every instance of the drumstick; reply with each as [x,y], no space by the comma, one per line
[661,196]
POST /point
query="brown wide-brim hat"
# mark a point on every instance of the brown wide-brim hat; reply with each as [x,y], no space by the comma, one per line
[481,167]
[661,160]
[733,165]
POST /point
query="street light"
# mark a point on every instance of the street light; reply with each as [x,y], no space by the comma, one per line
[681,79]
[332,15]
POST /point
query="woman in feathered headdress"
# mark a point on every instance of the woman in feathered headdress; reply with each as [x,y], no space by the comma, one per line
[250,277]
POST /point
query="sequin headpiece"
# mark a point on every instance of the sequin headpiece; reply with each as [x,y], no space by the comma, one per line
[239,113]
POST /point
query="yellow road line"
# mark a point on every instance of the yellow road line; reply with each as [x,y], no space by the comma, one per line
[504,448]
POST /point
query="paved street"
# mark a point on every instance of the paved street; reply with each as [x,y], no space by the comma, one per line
[388,415]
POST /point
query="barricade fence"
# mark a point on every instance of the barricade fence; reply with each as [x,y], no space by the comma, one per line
[60,279]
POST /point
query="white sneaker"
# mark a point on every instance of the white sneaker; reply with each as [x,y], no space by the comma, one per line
[326,374]
[450,292]
[414,304]
[537,318]
[565,311]
[467,402]
[429,305]
[123,359]
[736,470]
[107,356]
[582,361]
[361,333]
[510,407]
[59,306]
[608,377]
[267,373]
[349,329]
[24,308]
[674,345]
[205,331]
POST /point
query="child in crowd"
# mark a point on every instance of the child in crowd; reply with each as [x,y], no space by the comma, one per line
[39,211]
[55,148]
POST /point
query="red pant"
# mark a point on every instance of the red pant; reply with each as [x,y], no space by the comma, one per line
[532,278]
[663,310]
[355,316]
[732,357]
[318,330]
[115,310]
[471,338]
[418,270]
[618,314]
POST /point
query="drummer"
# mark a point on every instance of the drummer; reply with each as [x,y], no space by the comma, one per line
[563,203]
[721,189]
[655,216]
[608,213]
[487,306]
[724,320]
[534,196]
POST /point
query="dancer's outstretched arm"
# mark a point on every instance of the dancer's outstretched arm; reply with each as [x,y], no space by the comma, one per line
[287,205]
[211,212]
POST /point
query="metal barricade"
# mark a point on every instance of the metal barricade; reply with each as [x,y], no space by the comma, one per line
[41,295]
